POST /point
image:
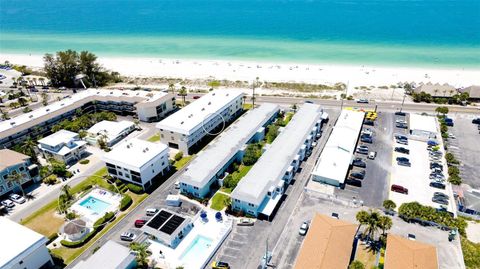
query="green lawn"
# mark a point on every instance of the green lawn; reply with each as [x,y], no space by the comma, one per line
[237,176]
[154,138]
[96,178]
[247,106]
[471,253]
[182,162]
[218,201]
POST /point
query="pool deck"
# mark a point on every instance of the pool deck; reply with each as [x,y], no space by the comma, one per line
[89,215]
[213,230]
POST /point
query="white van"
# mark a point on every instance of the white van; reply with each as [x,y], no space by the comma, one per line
[151,211]
[173,200]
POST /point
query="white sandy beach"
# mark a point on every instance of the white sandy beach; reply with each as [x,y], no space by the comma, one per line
[351,75]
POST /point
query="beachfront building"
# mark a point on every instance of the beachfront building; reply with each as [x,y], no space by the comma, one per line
[13,162]
[259,193]
[112,255]
[473,92]
[63,146]
[403,253]
[111,131]
[186,129]
[138,161]
[328,244]
[21,247]
[227,148]
[423,126]
[148,106]
[168,227]
[436,90]
[337,155]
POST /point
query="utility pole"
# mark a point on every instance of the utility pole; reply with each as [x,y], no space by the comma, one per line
[403,101]
[254,84]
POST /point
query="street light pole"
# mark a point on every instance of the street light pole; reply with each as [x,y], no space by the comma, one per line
[403,101]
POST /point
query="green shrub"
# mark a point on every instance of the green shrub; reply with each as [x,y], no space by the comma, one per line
[125,202]
[124,188]
[52,238]
[178,156]
[71,215]
[84,161]
[118,182]
[86,187]
[50,180]
[135,188]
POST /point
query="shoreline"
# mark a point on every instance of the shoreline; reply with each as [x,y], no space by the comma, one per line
[351,74]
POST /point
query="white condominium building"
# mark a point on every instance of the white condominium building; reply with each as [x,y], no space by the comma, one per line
[185,129]
[22,248]
[148,106]
[138,161]
[259,193]
[212,162]
[63,146]
[111,131]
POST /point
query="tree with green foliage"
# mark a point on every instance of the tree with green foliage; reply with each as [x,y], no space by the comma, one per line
[22,101]
[17,179]
[389,205]
[385,223]
[141,254]
[44,97]
[28,147]
[356,265]
[271,133]
[4,114]
[183,93]
[252,153]
[178,156]
[442,110]
[62,68]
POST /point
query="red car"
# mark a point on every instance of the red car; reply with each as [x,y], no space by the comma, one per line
[140,222]
[400,189]
[196,97]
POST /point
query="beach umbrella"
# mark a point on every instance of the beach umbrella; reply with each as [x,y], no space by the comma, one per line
[203,215]
[218,215]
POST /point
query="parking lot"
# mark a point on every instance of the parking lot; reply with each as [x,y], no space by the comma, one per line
[375,184]
[290,242]
[466,148]
[416,177]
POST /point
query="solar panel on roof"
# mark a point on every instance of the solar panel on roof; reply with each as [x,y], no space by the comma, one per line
[172,224]
[157,221]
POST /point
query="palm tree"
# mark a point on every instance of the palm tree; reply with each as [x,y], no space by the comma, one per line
[435,91]
[4,115]
[171,87]
[42,81]
[66,191]
[17,179]
[28,147]
[385,223]
[22,101]
[141,254]
[183,94]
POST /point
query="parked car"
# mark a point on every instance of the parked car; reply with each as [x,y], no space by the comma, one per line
[220,265]
[402,141]
[245,222]
[436,165]
[127,236]
[439,200]
[367,131]
[411,237]
[402,159]
[362,150]
[437,185]
[441,194]
[398,113]
[303,228]
[372,155]
[399,136]
[358,162]
[177,185]
[432,143]
[366,139]
[359,175]
[401,125]
[196,97]
[476,121]
[369,122]
[400,121]
[17,198]
[398,188]
[140,222]
[45,88]
[452,136]
[408,164]
[151,211]
[353,182]
[335,215]
[362,101]
[308,102]
[7,203]
[402,150]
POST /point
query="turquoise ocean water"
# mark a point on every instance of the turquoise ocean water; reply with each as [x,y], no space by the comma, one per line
[443,33]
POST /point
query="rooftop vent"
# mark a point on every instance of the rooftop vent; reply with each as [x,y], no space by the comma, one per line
[111,92]
[31,116]
[227,94]
[209,103]
[98,92]
[12,123]
[203,108]
[181,122]
[48,109]
[128,146]
[213,94]
[62,104]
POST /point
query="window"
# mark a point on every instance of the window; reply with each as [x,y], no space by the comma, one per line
[120,173]
[21,168]
[153,171]
[195,188]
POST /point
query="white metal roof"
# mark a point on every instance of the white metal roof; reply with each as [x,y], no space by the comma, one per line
[340,147]
[423,123]
[112,129]
[191,117]
[16,240]
[112,255]
[134,153]
[210,160]
[59,137]
[146,96]
[273,163]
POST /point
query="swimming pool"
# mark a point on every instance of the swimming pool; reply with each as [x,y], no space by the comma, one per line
[197,249]
[96,205]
